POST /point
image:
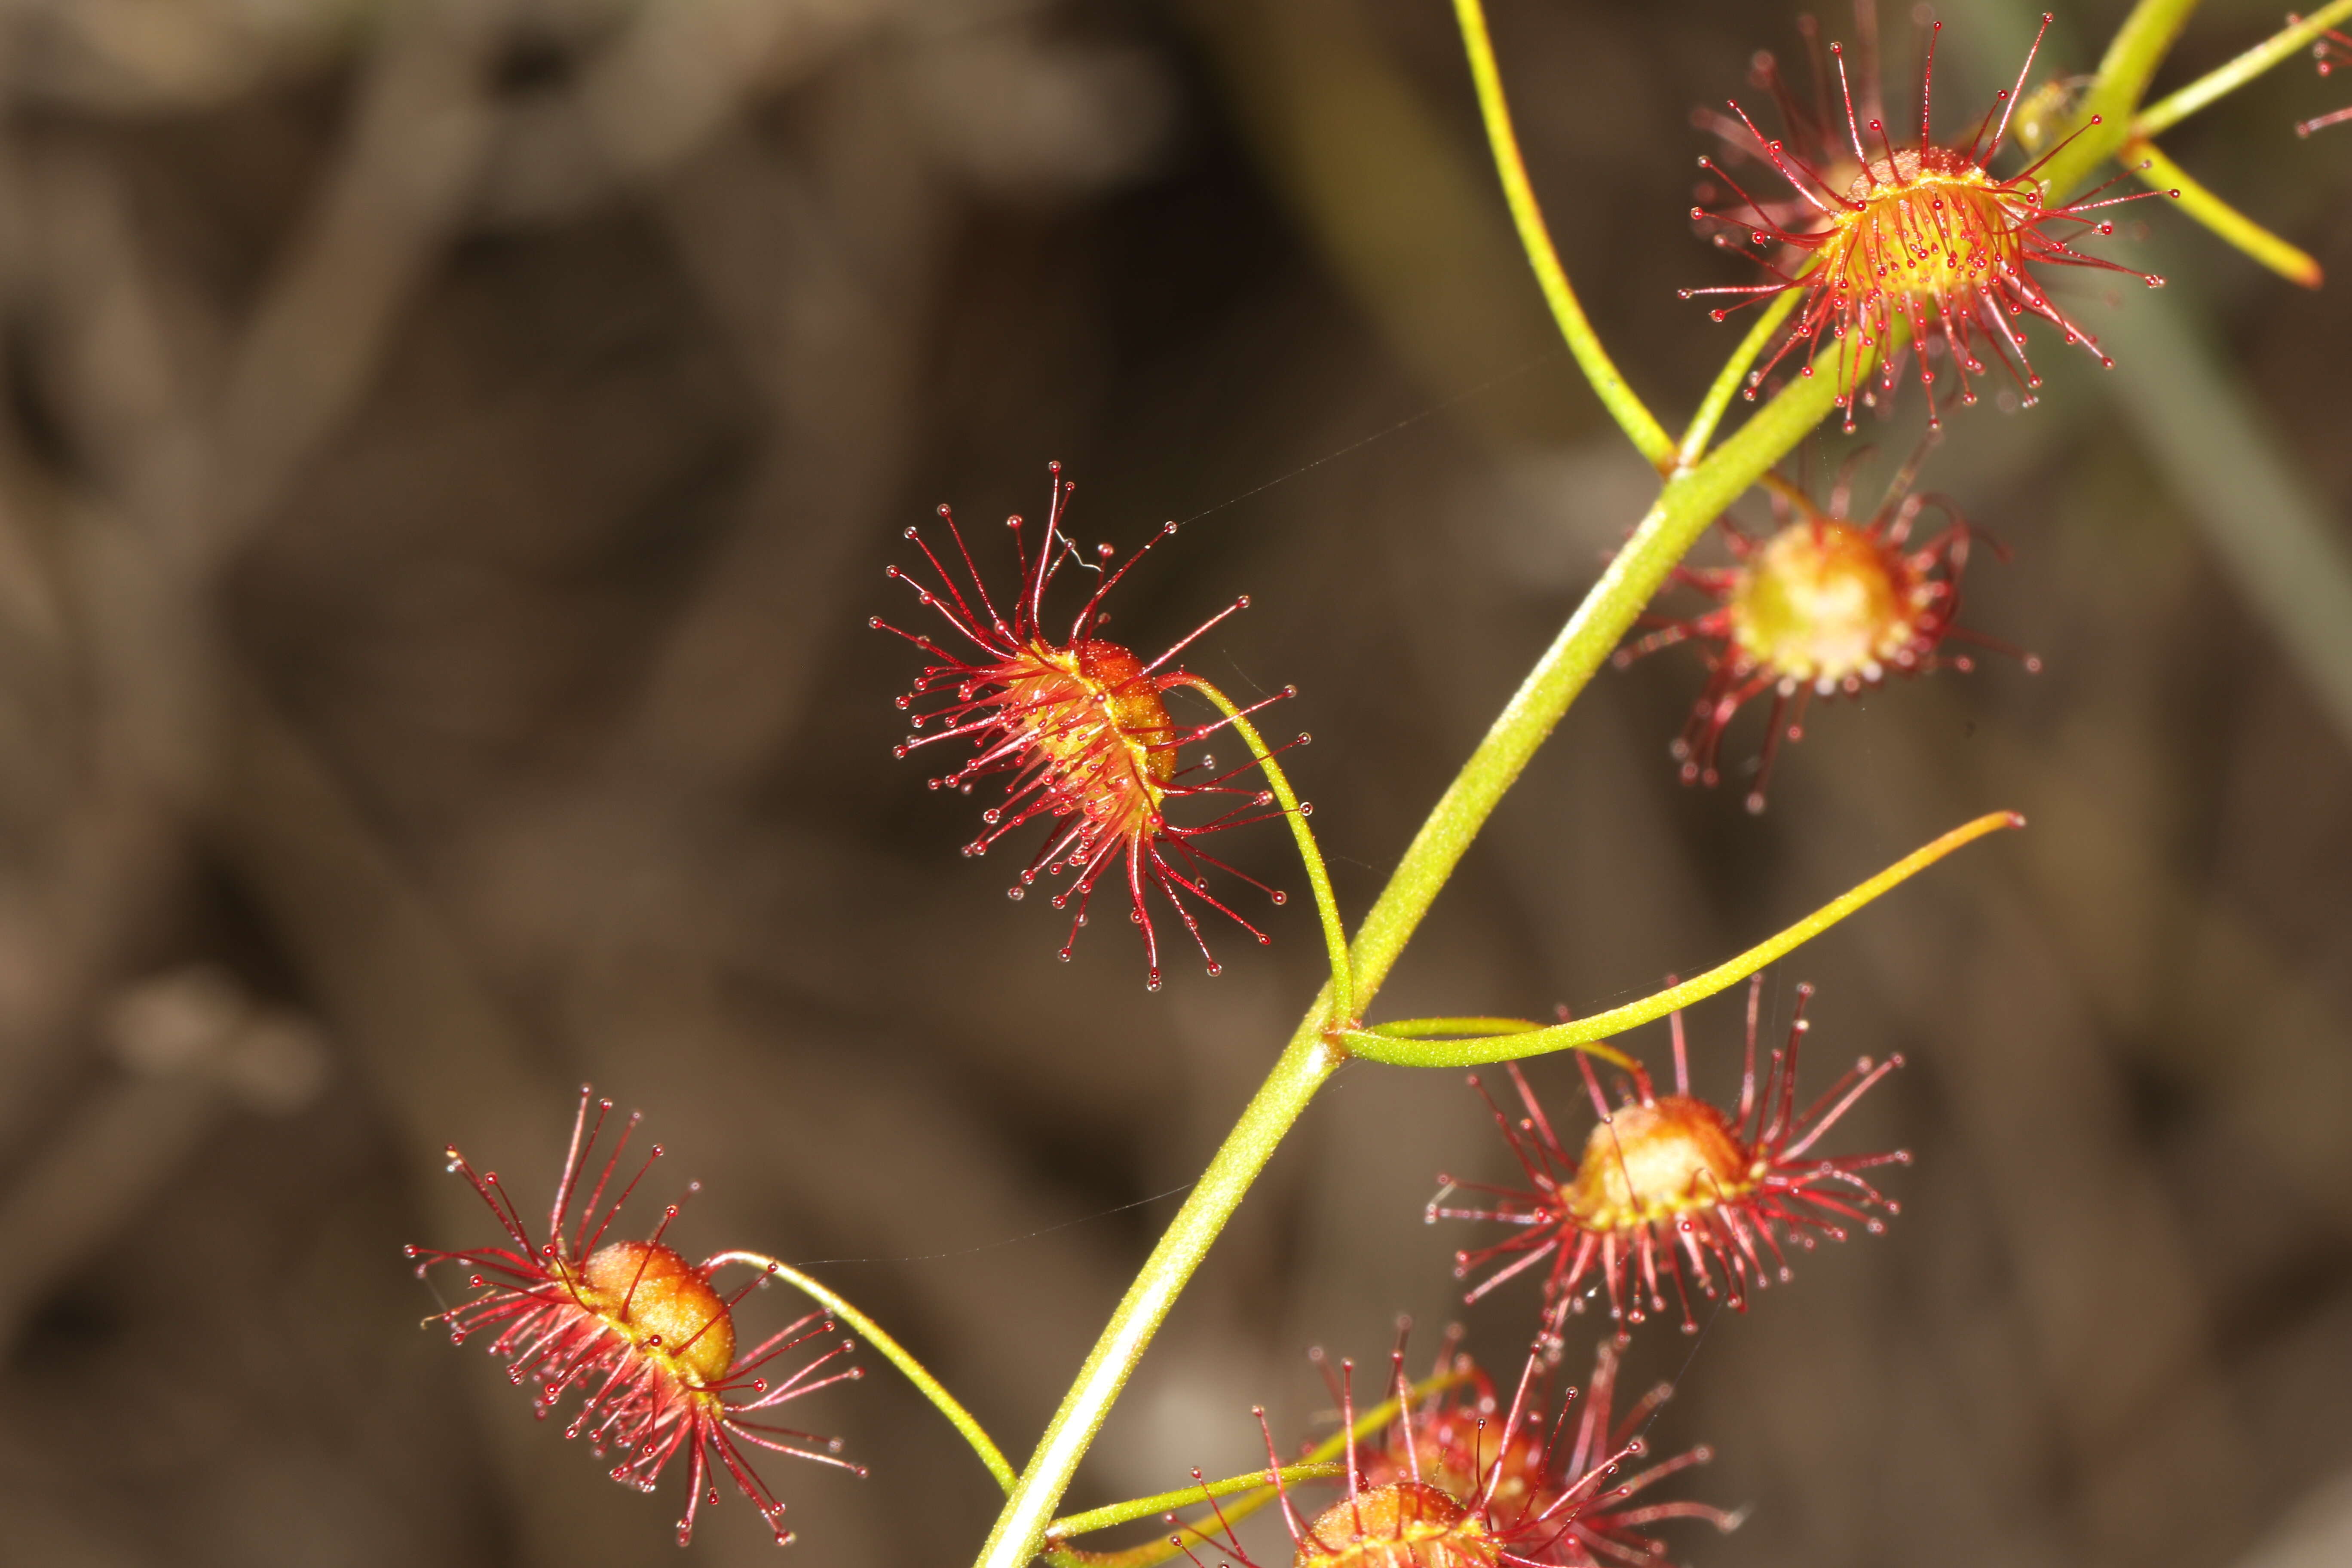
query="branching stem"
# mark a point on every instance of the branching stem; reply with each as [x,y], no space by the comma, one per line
[1689,502]
[1691,499]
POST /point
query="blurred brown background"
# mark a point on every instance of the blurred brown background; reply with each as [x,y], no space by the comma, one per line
[447,456]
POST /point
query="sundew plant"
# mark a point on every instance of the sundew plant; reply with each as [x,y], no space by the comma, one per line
[1904,254]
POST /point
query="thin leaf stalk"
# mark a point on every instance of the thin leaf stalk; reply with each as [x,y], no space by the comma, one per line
[1310,854]
[1472,1028]
[2153,169]
[930,1388]
[1687,506]
[1261,1491]
[1411,1045]
[1641,426]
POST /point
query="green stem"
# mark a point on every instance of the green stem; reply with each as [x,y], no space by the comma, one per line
[1388,1045]
[1735,371]
[1685,508]
[1335,929]
[2105,117]
[917,1373]
[2278,47]
[1690,500]
[1641,427]
[1304,1066]
[2153,169]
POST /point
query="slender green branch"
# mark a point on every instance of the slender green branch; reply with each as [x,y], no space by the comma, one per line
[1322,1463]
[1460,1028]
[1641,427]
[1690,500]
[1375,1046]
[917,1373]
[1335,929]
[2154,170]
[2171,109]
[1688,504]
[1735,371]
[2105,117]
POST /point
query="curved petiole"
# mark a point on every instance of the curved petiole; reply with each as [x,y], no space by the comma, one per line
[917,1373]
[1335,929]
[1641,426]
[2153,169]
[1404,1051]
